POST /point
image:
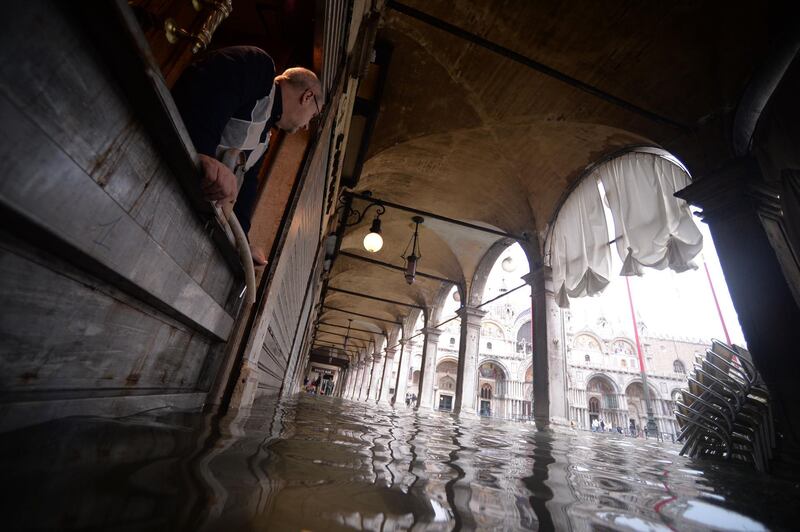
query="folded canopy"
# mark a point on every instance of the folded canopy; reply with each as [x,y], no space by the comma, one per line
[653,228]
[580,254]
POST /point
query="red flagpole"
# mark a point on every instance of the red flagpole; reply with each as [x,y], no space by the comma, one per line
[651,424]
[635,326]
[716,302]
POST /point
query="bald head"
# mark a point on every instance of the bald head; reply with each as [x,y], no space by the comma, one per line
[301,78]
[301,95]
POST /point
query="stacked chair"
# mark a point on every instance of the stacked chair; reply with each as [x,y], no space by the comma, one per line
[725,413]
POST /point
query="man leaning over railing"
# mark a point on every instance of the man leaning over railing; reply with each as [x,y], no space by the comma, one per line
[229,101]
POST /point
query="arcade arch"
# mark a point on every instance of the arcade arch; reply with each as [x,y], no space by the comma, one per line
[603,401]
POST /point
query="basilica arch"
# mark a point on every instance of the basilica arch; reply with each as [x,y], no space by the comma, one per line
[600,399]
[637,409]
[446,375]
[492,377]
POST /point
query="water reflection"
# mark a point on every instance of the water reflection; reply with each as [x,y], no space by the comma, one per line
[324,464]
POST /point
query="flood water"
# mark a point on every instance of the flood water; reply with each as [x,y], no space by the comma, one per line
[317,463]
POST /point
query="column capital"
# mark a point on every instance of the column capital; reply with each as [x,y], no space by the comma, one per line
[536,280]
[432,333]
[729,191]
[529,278]
[390,352]
[376,356]
[472,314]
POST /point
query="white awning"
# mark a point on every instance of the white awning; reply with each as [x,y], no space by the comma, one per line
[580,254]
[655,228]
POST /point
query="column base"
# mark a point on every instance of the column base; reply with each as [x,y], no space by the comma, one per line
[542,423]
[467,413]
[429,408]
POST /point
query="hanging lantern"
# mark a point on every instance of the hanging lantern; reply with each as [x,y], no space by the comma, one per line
[373,242]
[411,268]
[413,258]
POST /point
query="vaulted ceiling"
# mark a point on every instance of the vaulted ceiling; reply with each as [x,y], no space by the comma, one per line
[498,136]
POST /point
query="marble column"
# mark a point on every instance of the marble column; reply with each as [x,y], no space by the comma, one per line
[340,385]
[541,360]
[556,356]
[377,373]
[355,380]
[351,375]
[387,382]
[362,382]
[468,350]
[428,376]
[401,383]
[351,386]
[367,381]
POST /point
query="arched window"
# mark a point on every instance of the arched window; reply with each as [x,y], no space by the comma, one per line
[488,370]
[524,339]
[587,358]
[622,348]
[447,367]
[488,345]
[594,405]
[678,367]
[490,330]
[586,343]
[486,391]
[452,341]
[623,363]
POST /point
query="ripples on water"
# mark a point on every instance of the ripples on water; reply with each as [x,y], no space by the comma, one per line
[318,463]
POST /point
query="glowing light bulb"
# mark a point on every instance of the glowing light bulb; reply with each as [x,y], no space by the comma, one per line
[373,242]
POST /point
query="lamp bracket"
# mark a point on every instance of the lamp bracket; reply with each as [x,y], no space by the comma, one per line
[354,216]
